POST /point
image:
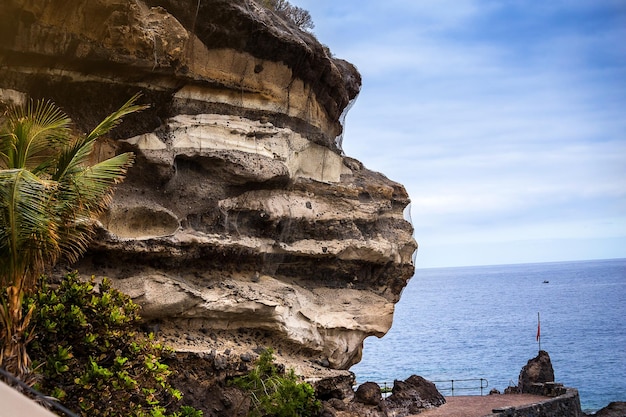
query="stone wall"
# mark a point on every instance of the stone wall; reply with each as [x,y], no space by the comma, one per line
[567,404]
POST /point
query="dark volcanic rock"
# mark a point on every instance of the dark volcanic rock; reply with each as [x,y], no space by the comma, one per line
[537,371]
[413,395]
[368,393]
[614,409]
[335,387]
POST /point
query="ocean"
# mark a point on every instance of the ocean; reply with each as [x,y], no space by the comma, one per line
[481,322]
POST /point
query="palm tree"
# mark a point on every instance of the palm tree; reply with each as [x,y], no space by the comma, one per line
[49,196]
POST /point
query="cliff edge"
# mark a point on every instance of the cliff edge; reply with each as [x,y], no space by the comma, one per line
[241,224]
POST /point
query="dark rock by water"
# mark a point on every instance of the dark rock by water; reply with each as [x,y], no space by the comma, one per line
[537,371]
[337,387]
[614,409]
[369,394]
[409,397]
[414,395]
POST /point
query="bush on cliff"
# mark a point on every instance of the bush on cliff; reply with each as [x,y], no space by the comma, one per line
[296,15]
[89,357]
[275,393]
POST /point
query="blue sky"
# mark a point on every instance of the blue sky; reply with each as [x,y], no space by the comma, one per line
[504,119]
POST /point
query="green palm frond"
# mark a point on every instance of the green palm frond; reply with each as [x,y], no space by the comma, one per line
[77,153]
[72,158]
[75,238]
[28,230]
[87,192]
[83,196]
[115,118]
[31,134]
[49,196]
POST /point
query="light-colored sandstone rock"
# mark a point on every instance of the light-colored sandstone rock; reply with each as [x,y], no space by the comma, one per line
[302,316]
[263,151]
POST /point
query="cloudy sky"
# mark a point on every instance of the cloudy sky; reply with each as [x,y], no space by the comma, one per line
[504,119]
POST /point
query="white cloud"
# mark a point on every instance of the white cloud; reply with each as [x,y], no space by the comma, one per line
[503,119]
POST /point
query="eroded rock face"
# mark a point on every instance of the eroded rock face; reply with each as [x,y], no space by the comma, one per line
[241,215]
[538,370]
[413,396]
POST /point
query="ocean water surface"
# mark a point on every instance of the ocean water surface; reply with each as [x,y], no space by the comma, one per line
[481,322]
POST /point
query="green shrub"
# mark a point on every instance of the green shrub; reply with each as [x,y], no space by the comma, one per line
[277,394]
[90,358]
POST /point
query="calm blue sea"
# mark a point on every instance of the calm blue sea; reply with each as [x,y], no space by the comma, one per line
[481,322]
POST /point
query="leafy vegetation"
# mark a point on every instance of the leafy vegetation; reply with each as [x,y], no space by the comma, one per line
[89,357]
[296,15]
[49,194]
[277,394]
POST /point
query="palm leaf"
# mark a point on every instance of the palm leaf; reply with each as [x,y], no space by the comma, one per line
[28,230]
[48,198]
[115,118]
[72,158]
[78,152]
[31,134]
[88,190]
[85,195]
[75,238]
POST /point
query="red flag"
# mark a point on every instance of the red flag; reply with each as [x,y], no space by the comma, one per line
[538,328]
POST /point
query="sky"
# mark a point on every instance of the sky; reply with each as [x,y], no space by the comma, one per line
[504,119]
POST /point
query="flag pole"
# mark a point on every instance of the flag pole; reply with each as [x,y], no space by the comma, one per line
[539,331]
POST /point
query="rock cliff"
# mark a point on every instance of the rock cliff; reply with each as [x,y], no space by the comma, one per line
[242,223]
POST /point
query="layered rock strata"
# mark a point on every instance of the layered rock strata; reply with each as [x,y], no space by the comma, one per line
[241,223]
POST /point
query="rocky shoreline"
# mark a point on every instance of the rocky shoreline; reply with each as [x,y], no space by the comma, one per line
[614,409]
[202,374]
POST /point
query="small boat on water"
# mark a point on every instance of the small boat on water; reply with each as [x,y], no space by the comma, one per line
[546,281]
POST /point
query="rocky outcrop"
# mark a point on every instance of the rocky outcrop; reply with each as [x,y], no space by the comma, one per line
[242,223]
[413,396]
[368,393]
[409,397]
[537,371]
[614,409]
[537,378]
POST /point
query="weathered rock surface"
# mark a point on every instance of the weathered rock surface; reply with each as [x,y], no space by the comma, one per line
[614,409]
[409,397]
[414,395]
[241,218]
[368,393]
[538,370]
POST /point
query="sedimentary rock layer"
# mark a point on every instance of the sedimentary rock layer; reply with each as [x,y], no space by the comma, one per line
[241,213]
